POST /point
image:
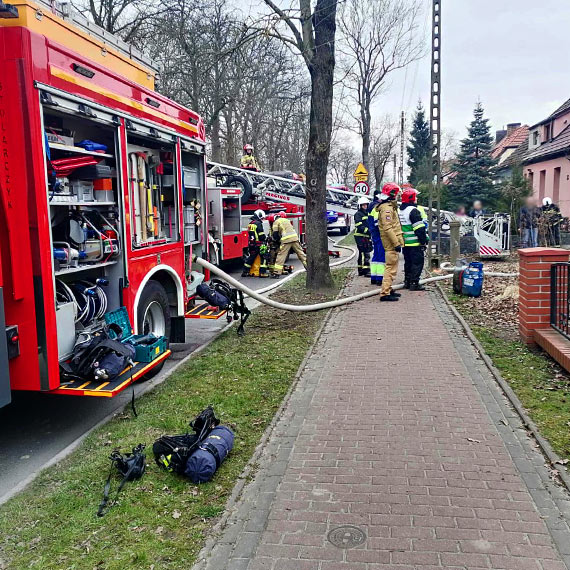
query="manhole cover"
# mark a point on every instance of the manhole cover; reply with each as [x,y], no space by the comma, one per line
[346,536]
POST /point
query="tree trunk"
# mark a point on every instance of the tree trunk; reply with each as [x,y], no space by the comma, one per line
[317,158]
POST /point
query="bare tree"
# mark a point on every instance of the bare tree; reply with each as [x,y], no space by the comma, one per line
[384,139]
[312,31]
[378,37]
[342,162]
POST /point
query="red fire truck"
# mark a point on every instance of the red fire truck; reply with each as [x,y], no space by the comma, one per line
[102,198]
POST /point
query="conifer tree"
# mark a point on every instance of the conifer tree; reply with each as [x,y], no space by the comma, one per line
[474,168]
[419,148]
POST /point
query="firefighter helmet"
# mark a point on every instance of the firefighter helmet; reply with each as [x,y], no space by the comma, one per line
[281,215]
[363,200]
[259,214]
[390,190]
[247,147]
[409,196]
[546,201]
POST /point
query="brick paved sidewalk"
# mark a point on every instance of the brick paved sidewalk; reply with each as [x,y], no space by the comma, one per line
[405,436]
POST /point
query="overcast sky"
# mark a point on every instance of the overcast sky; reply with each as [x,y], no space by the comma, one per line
[512,54]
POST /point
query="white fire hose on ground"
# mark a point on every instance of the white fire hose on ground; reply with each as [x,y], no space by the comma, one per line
[258,296]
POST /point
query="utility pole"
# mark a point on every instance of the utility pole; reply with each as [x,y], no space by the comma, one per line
[435,129]
[402,131]
[395,169]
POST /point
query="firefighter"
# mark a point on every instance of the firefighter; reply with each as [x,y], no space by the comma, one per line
[256,240]
[415,239]
[284,233]
[248,161]
[377,263]
[273,245]
[362,237]
[392,238]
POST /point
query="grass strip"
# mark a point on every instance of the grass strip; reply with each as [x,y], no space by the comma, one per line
[348,240]
[160,522]
[536,379]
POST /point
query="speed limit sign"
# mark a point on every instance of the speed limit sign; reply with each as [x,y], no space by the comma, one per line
[362,188]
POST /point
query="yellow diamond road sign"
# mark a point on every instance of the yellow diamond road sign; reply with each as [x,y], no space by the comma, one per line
[361,174]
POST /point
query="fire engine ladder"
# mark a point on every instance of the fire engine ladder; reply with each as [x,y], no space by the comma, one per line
[278,189]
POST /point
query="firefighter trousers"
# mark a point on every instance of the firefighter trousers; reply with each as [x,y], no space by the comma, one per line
[364,246]
[413,263]
[392,258]
[283,251]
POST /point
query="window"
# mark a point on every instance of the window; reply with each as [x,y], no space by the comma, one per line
[556,186]
[542,185]
[535,138]
[547,132]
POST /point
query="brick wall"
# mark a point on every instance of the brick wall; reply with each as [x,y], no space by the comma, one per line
[534,288]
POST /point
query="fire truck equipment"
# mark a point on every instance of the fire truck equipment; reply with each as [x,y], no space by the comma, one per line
[92,146]
[209,455]
[65,166]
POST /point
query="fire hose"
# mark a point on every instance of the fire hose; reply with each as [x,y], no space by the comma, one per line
[317,306]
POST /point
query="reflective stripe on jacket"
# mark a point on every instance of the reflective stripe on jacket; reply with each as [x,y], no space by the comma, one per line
[285,230]
[249,161]
[361,224]
[256,232]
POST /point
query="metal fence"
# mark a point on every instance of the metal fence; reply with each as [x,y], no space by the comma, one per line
[560,298]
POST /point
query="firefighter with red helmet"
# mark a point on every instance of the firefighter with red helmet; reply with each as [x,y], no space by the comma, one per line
[362,236]
[248,160]
[392,238]
[415,239]
[256,240]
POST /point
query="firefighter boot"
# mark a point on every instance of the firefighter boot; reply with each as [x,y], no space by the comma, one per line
[390,297]
[406,284]
[415,286]
[245,272]
[395,293]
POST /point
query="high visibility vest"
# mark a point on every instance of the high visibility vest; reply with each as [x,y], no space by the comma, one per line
[286,230]
[408,228]
[425,220]
[256,233]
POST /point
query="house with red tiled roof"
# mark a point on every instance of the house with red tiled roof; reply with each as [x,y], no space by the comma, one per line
[547,162]
[508,142]
[516,135]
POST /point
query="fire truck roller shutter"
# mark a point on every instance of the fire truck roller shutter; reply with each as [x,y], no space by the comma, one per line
[243,183]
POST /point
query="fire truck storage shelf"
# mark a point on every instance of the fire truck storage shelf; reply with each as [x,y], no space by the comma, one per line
[108,389]
[78,150]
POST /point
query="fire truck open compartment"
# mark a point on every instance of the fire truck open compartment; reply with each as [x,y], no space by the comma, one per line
[84,188]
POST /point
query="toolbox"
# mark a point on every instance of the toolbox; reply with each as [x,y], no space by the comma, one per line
[144,352]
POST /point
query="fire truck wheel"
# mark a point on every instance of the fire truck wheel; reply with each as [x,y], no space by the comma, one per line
[243,183]
[344,231]
[153,316]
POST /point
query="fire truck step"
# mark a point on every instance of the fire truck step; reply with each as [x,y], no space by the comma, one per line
[107,389]
[205,311]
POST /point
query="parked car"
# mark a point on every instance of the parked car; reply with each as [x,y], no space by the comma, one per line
[339,221]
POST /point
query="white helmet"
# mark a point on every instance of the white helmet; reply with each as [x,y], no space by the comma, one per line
[546,201]
[259,214]
[363,200]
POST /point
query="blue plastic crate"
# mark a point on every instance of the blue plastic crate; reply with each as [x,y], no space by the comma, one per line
[144,352]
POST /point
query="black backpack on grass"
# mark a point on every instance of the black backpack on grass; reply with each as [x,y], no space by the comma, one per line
[171,452]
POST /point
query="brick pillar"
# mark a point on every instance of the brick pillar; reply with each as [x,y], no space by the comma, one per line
[534,288]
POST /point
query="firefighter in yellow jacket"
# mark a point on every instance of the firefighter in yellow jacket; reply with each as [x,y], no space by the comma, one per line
[284,233]
[248,160]
[392,238]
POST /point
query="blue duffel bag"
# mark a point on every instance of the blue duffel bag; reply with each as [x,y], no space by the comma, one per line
[203,463]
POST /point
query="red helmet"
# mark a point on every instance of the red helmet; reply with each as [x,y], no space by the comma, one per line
[409,196]
[281,215]
[390,190]
[247,147]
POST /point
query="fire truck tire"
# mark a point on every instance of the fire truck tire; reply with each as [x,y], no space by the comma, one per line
[153,316]
[344,231]
[245,185]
